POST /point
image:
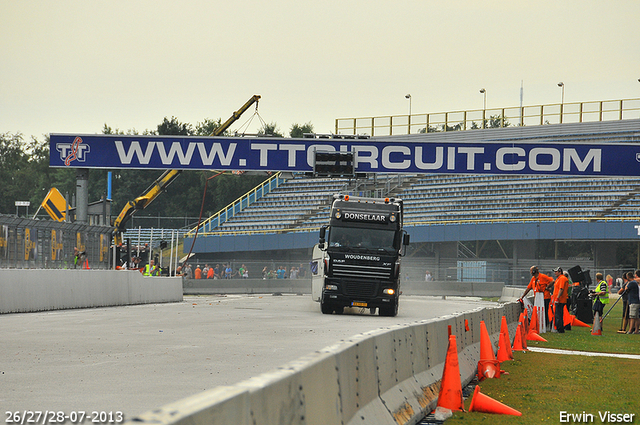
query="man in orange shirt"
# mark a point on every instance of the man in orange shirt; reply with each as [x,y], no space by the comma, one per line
[198,272]
[539,284]
[560,295]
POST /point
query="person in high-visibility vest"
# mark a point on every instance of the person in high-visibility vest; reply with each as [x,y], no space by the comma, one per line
[601,294]
[149,269]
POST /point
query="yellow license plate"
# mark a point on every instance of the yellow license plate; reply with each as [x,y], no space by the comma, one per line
[358,304]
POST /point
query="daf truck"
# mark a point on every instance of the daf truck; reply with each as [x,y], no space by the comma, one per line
[357,260]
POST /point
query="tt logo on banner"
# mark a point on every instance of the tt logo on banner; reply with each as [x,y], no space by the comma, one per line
[73,151]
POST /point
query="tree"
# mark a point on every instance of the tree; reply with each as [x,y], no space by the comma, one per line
[24,171]
[270,130]
[173,127]
[208,127]
[494,121]
[430,129]
[298,130]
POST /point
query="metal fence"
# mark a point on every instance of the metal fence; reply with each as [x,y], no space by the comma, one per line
[30,244]
[557,113]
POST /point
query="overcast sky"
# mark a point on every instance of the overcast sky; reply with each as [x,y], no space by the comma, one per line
[72,66]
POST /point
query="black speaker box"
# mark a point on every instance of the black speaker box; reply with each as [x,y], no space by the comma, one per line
[576,274]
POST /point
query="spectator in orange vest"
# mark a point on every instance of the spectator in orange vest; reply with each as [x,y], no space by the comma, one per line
[560,295]
[539,284]
[198,272]
[210,273]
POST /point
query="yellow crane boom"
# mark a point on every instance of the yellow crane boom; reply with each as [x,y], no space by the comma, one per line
[161,183]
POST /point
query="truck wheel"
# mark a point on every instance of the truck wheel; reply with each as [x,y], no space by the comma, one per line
[324,307]
[389,311]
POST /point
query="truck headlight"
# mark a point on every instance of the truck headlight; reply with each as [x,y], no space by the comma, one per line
[388,291]
[331,287]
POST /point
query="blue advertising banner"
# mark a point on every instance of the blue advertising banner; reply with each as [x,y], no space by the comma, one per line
[371,155]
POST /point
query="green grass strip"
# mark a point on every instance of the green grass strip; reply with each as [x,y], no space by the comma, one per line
[543,386]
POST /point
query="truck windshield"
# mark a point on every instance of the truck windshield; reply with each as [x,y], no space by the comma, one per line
[366,239]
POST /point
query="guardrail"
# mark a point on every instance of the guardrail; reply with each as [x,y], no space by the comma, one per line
[426,223]
[238,205]
[556,113]
[388,376]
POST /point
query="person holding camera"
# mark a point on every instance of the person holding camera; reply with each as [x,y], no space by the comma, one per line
[600,294]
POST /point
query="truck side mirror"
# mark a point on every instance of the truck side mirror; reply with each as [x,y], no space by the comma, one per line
[323,232]
[405,239]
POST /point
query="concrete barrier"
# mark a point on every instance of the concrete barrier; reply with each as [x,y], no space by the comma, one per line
[246,286]
[45,289]
[454,288]
[512,293]
[388,376]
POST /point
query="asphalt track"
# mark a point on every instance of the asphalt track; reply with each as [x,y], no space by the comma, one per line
[136,358]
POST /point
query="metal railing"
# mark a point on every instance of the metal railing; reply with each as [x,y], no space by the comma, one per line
[238,205]
[515,220]
[556,113]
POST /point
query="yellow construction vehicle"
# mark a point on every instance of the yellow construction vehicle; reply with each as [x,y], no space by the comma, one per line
[165,180]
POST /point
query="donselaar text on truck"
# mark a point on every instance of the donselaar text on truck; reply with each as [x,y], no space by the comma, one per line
[357,260]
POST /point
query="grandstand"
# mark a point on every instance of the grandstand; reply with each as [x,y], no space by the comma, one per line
[302,203]
[452,217]
[438,198]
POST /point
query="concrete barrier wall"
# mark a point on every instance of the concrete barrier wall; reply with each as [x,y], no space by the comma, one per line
[40,290]
[303,286]
[513,293]
[465,289]
[388,376]
[246,286]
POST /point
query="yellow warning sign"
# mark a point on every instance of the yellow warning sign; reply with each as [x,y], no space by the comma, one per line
[55,204]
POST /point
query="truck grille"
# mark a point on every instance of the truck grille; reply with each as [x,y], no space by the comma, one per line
[361,271]
[360,290]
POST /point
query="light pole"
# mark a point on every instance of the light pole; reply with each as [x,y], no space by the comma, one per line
[484,107]
[408,96]
[561,84]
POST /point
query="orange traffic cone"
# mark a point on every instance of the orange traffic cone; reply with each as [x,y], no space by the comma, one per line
[566,318]
[576,322]
[534,336]
[517,341]
[524,330]
[486,347]
[597,325]
[488,369]
[488,366]
[504,352]
[486,404]
[504,328]
[525,321]
[535,327]
[450,395]
[552,315]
